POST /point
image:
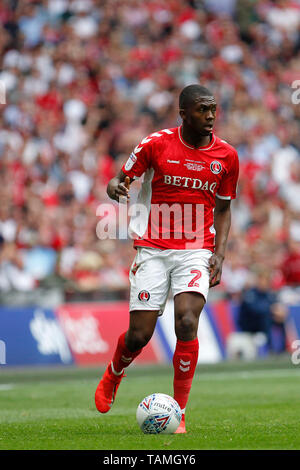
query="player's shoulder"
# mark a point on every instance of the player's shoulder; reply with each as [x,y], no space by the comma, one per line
[227,147]
[165,132]
[155,140]
[157,137]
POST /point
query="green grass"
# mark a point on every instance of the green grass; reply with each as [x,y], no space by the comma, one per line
[231,406]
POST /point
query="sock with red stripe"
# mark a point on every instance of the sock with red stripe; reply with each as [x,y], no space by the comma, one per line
[184,362]
[123,357]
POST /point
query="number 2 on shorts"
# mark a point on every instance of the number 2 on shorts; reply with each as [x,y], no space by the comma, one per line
[193,282]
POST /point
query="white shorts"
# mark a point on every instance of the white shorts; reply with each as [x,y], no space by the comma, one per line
[154,271]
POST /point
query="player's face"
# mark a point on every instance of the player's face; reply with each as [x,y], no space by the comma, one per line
[201,114]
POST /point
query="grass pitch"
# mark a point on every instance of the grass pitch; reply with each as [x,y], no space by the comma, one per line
[232,406]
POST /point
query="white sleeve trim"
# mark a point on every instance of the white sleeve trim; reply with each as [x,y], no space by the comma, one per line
[227,198]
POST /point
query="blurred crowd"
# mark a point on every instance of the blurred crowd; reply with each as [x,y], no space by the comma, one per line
[86,80]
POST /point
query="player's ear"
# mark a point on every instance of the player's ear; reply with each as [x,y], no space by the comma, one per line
[182,114]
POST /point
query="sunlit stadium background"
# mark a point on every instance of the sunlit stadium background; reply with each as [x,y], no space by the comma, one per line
[82,82]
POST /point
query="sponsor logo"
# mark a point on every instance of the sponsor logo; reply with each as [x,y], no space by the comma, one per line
[192,183]
[215,167]
[173,161]
[83,334]
[163,407]
[144,295]
[49,336]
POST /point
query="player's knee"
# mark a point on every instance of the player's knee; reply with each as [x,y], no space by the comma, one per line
[186,326]
[137,340]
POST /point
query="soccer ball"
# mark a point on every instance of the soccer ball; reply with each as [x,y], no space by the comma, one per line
[158,414]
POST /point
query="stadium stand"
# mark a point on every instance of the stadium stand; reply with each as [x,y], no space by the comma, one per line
[86,80]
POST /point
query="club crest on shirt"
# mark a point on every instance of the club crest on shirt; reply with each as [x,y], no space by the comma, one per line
[144,295]
[215,167]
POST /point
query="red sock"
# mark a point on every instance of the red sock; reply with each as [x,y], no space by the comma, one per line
[122,356]
[184,361]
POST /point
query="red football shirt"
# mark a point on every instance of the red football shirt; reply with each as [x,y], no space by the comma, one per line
[176,201]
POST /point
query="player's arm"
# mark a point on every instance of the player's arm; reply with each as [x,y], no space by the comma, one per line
[222,221]
[136,165]
[119,186]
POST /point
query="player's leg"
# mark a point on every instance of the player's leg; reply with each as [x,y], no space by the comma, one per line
[147,272]
[130,344]
[190,285]
[188,306]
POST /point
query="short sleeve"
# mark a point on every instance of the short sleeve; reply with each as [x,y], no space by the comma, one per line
[139,160]
[227,188]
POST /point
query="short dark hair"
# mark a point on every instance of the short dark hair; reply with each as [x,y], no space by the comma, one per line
[190,93]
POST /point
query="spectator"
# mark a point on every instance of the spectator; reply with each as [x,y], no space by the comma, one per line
[260,310]
[291,265]
[13,275]
[86,81]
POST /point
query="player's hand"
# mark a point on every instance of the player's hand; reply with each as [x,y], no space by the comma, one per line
[118,190]
[126,185]
[215,269]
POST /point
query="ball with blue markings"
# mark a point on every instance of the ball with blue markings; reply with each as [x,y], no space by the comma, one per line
[158,414]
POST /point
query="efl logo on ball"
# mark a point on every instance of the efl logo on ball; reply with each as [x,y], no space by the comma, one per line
[215,167]
[144,295]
